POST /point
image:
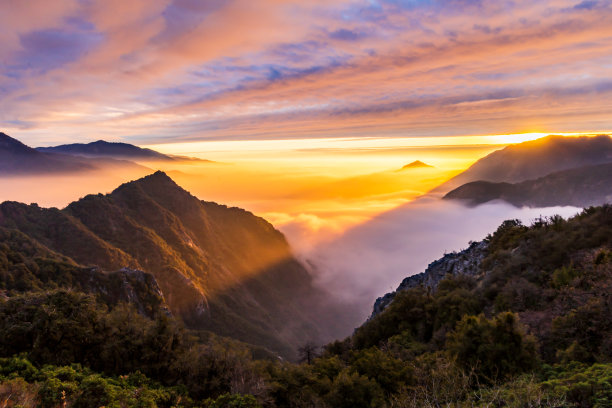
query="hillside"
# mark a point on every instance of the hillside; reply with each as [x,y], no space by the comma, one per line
[534,159]
[220,269]
[581,187]
[26,265]
[522,318]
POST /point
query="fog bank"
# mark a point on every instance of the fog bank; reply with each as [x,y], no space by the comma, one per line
[371,259]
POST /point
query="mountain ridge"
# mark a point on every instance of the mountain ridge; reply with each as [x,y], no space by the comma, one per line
[120,150]
[580,187]
[219,269]
[16,158]
[533,159]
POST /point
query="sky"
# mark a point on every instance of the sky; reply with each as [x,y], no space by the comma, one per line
[161,72]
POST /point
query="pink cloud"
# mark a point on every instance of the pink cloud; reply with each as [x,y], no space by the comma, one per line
[246,69]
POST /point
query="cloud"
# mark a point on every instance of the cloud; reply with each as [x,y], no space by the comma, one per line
[242,69]
[586,5]
[371,259]
[343,34]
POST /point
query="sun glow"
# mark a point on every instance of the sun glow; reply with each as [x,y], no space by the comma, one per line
[240,147]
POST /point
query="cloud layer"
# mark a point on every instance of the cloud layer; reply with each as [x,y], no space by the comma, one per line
[162,70]
[371,259]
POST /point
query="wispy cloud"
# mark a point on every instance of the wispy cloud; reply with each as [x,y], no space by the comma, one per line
[275,69]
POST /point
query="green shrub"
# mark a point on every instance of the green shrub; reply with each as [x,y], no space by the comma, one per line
[494,349]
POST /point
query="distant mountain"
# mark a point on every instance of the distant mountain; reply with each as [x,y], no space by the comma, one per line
[415,165]
[103,148]
[18,159]
[581,187]
[220,269]
[533,159]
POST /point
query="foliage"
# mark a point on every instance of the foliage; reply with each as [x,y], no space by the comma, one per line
[582,385]
[533,330]
[76,386]
[64,327]
[493,349]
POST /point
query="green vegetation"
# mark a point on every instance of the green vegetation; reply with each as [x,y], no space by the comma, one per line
[533,329]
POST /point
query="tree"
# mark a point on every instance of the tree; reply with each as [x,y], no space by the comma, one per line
[308,352]
[494,349]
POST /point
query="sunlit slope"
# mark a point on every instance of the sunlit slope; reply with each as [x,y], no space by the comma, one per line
[219,268]
[537,158]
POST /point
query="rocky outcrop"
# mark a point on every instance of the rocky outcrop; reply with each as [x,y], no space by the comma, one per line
[133,286]
[466,262]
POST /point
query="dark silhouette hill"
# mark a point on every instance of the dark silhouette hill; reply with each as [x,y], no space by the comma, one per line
[102,148]
[580,187]
[17,158]
[417,164]
[220,269]
[533,159]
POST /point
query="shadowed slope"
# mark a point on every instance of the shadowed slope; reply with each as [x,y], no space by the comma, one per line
[219,268]
[17,158]
[581,187]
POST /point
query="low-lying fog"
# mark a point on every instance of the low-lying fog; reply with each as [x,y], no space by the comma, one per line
[371,259]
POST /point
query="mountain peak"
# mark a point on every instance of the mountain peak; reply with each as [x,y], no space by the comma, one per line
[415,165]
[159,179]
[159,175]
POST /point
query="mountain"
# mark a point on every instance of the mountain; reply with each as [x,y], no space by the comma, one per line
[581,187]
[102,148]
[415,165]
[117,150]
[219,269]
[18,159]
[533,159]
[522,318]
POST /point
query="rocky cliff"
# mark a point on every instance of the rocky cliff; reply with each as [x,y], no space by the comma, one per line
[466,262]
